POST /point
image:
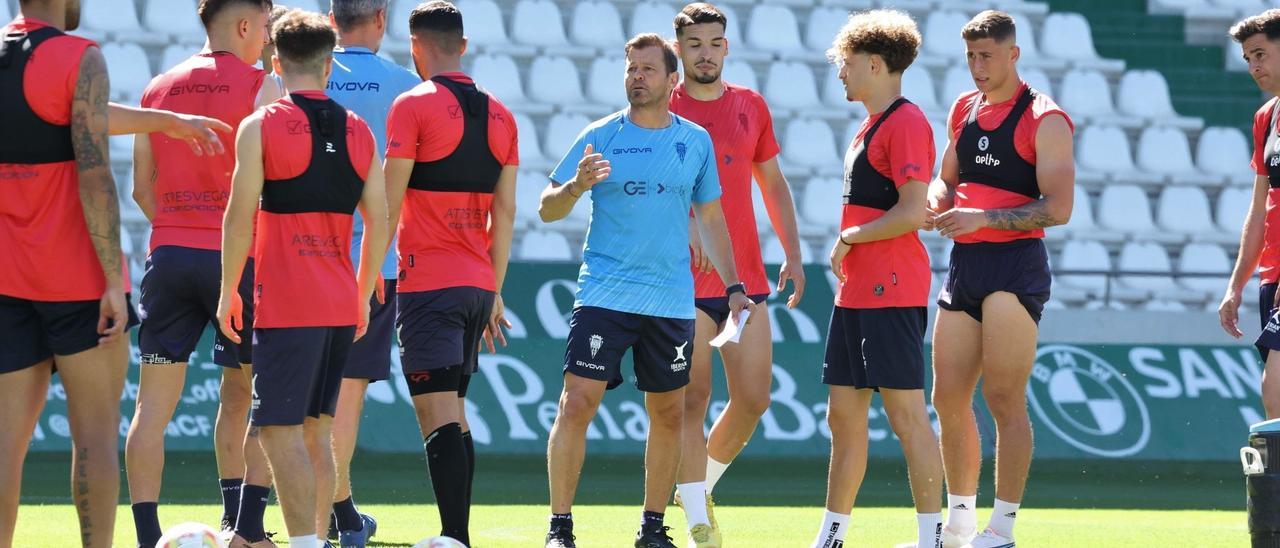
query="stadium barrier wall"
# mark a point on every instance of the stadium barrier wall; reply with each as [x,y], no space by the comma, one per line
[1106,384]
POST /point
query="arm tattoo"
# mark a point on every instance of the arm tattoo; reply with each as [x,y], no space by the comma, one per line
[1028,217]
[89,140]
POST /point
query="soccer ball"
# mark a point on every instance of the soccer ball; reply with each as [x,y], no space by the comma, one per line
[439,542]
[190,535]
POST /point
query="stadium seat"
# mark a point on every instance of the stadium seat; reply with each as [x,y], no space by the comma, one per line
[562,131]
[545,246]
[483,22]
[1126,208]
[1150,257]
[554,80]
[940,137]
[656,17]
[1145,94]
[956,82]
[1185,210]
[1067,36]
[1103,150]
[1201,258]
[530,151]
[499,75]
[824,23]
[810,143]
[529,186]
[1085,255]
[538,23]
[1163,305]
[172,17]
[791,86]
[850,132]
[833,95]
[1232,208]
[1165,151]
[128,70]
[175,54]
[605,82]
[763,224]
[942,36]
[1082,224]
[1030,55]
[111,16]
[1224,152]
[773,253]
[1037,79]
[773,28]
[821,206]
[1086,93]
[597,24]
[740,73]
[917,85]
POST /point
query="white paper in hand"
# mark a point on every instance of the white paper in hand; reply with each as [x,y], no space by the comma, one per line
[732,330]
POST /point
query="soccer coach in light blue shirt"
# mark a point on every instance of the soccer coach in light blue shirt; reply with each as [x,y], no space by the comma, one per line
[367,85]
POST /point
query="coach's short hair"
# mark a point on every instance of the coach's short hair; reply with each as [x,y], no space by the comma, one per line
[208,10]
[996,25]
[698,13]
[651,40]
[304,41]
[1267,22]
[439,21]
[348,14]
[891,34]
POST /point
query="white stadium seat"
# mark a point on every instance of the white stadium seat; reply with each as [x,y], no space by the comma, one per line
[942,35]
[1086,93]
[1145,93]
[529,186]
[562,131]
[128,70]
[1126,208]
[1165,150]
[1085,255]
[763,223]
[1185,210]
[850,132]
[940,137]
[917,85]
[653,17]
[499,75]
[1151,257]
[171,17]
[175,54]
[955,83]
[821,205]
[530,152]
[740,73]
[110,16]
[538,23]
[733,27]
[773,28]
[1082,224]
[597,24]
[1232,208]
[810,143]
[1067,36]
[834,97]
[482,20]
[1037,79]
[791,86]
[824,23]
[1224,152]
[1030,52]
[545,246]
[1162,305]
[554,80]
[1204,259]
[1104,149]
[605,82]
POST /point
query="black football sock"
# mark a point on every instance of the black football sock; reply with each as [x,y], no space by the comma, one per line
[230,500]
[348,517]
[447,463]
[470,445]
[253,505]
[651,521]
[147,524]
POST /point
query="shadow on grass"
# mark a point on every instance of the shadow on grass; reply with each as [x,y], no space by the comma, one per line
[382,478]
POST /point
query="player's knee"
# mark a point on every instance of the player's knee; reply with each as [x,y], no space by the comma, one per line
[753,404]
[908,422]
[696,398]
[1006,405]
[576,409]
[844,422]
[951,403]
[666,417]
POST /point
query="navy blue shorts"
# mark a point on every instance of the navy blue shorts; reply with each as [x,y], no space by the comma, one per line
[876,348]
[1020,267]
[34,331]
[661,348]
[717,308]
[180,292]
[298,372]
[370,356]
[442,328]
[1266,306]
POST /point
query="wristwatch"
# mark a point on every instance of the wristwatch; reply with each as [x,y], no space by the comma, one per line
[735,288]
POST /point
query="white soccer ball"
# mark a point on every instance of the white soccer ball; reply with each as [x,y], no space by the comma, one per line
[439,542]
[190,535]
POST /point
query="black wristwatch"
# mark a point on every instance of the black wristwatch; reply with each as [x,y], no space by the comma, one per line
[735,288]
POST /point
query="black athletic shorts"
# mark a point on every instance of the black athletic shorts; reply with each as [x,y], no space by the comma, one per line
[661,348]
[1266,305]
[717,308]
[34,331]
[445,379]
[1020,267]
[180,292]
[876,348]
[370,356]
[442,328]
[298,372]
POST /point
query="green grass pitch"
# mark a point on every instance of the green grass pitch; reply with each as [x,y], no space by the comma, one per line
[761,503]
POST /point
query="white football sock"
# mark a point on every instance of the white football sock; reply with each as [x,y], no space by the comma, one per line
[930,533]
[962,515]
[715,469]
[305,541]
[834,526]
[693,497]
[1002,517]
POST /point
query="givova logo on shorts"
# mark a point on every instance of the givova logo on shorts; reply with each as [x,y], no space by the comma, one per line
[1087,403]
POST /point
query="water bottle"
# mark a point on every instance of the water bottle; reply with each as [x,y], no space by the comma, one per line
[1261,463]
